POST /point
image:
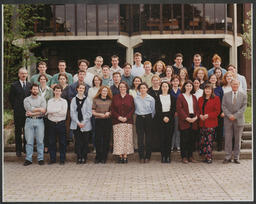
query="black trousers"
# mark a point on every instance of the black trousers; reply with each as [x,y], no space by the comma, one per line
[166,138]
[187,142]
[144,132]
[46,134]
[19,123]
[219,132]
[81,143]
[102,136]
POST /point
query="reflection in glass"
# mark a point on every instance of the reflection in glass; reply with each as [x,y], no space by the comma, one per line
[113,19]
[70,19]
[81,19]
[209,16]
[166,16]
[198,16]
[145,17]
[60,19]
[176,20]
[188,17]
[220,16]
[91,19]
[124,18]
[103,19]
[155,17]
[136,17]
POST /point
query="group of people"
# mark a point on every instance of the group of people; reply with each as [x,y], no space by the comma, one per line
[134,108]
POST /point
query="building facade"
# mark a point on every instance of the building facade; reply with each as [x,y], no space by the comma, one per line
[158,31]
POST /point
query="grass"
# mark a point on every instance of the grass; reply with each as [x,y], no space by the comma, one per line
[248,114]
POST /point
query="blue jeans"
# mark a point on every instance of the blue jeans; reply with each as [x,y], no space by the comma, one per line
[34,128]
[176,134]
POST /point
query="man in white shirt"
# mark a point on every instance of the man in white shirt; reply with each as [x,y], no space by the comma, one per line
[115,67]
[97,69]
[137,68]
[57,111]
[83,65]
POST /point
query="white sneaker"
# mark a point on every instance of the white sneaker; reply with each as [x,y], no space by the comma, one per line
[178,149]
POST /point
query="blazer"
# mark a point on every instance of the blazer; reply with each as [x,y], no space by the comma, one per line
[17,96]
[236,110]
[170,114]
[212,108]
[183,112]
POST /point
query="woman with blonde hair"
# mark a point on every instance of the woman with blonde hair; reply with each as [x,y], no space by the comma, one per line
[202,74]
[101,110]
[226,81]
[183,74]
[159,68]
[168,74]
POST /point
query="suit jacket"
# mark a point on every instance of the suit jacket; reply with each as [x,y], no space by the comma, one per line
[161,114]
[183,112]
[16,98]
[212,108]
[236,110]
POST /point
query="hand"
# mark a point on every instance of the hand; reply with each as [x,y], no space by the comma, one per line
[201,117]
[120,118]
[194,119]
[222,115]
[232,117]
[107,114]
[28,113]
[189,119]
[206,116]
[124,119]
[166,119]
[81,125]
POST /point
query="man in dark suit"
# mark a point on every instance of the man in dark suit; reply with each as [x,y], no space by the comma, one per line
[19,90]
[233,105]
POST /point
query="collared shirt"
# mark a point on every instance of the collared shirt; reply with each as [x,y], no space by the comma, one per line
[30,103]
[34,79]
[166,102]
[133,92]
[198,93]
[87,79]
[233,95]
[57,109]
[54,79]
[118,69]
[137,71]
[147,79]
[243,84]
[73,90]
[127,79]
[107,81]
[211,71]
[175,94]
[47,93]
[22,83]
[189,100]
[95,71]
[114,89]
[144,106]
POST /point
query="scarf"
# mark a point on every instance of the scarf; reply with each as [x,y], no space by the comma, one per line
[79,103]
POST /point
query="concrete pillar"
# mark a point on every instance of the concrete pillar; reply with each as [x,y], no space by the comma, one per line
[233,49]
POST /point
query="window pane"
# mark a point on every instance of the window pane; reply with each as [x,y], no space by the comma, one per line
[176,20]
[145,15]
[103,19]
[60,19]
[188,17]
[124,18]
[70,19]
[81,19]
[155,17]
[220,17]
[91,19]
[198,16]
[209,16]
[113,19]
[166,16]
[136,17]
[45,25]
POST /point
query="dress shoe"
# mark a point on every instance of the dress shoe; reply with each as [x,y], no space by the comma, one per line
[225,161]
[78,161]
[147,160]
[191,159]
[41,162]
[163,159]
[178,149]
[26,163]
[83,161]
[167,160]
[209,161]
[236,161]
[184,160]
[51,162]
[62,162]
[18,154]
[125,160]
[96,161]
[103,161]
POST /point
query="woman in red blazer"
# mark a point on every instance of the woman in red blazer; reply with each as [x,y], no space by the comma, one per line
[188,114]
[209,106]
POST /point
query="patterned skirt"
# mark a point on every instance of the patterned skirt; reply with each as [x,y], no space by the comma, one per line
[207,138]
[123,139]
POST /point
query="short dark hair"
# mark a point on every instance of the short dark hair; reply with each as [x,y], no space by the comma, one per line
[81,71]
[60,61]
[105,66]
[57,87]
[83,60]
[96,76]
[114,56]
[183,90]
[42,75]
[63,74]
[143,83]
[115,73]
[208,85]
[175,76]
[178,55]
[79,84]
[126,85]
[42,63]
[34,85]
[127,64]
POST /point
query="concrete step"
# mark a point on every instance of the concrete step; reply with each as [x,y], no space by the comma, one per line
[248,127]
[247,135]
[175,156]
[246,144]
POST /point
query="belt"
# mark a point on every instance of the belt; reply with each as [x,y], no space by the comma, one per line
[34,117]
[56,123]
[144,116]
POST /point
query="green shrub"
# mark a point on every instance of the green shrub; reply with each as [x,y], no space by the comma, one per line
[8,117]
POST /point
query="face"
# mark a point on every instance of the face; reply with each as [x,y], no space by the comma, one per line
[196,84]
[182,74]
[155,81]
[81,89]
[116,78]
[42,68]
[218,73]
[114,62]
[229,78]
[104,92]
[137,59]
[197,61]
[235,85]
[178,60]
[213,79]
[200,74]
[83,66]
[136,82]
[62,67]
[127,70]
[122,88]
[42,80]
[159,67]
[188,87]
[62,80]
[216,63]
[23,74]
[175,82]
[98,62]
[147,68]
[105,71]
[168,72]
[232,69]
[96,81]
[208,91]
[34,91]
[165,87]
[143,89]
[57,92]
[81,76]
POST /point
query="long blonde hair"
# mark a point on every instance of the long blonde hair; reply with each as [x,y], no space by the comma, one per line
[109,95]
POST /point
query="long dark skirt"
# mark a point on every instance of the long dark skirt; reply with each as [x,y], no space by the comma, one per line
[207,138]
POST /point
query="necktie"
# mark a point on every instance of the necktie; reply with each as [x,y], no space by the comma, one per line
[24,86]
[235,98]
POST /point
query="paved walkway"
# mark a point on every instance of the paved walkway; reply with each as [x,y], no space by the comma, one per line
[132,181]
